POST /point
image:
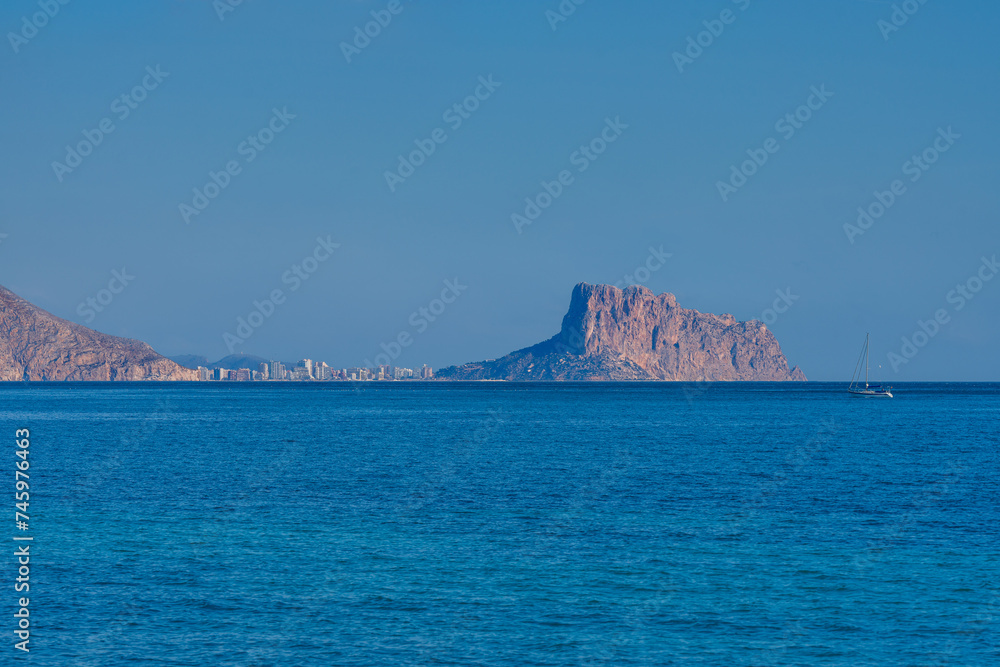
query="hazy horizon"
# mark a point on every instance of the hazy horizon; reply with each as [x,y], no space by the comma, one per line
[301,136]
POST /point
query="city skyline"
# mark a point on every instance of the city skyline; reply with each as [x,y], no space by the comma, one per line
[307,370]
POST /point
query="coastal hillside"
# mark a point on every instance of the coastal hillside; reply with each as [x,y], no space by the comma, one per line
[632,334]
[36,345]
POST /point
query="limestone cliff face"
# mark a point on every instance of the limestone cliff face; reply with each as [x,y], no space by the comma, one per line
[36,345]
[632,334]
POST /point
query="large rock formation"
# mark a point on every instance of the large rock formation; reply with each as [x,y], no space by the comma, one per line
[36,345]
[632,334]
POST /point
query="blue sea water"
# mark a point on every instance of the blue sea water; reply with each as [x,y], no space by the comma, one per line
[507,524]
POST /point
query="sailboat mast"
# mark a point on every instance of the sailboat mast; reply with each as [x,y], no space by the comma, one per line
[855,388]
[867,336]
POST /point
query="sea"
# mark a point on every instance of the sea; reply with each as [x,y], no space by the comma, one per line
[504,524]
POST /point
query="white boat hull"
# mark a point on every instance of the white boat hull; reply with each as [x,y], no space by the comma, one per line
[869,392]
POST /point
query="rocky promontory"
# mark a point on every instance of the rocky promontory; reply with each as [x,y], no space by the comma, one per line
[36,345]
[633,334]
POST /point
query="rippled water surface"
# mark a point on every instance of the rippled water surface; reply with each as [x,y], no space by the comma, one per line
[509,524]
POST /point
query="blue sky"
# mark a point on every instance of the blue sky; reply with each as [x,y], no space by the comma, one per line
[888,96]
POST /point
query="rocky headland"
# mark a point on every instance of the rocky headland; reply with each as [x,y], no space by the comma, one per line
[632,334]
[36,345]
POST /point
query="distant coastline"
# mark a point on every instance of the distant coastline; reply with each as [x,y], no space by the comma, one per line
[608,334]
[305,370]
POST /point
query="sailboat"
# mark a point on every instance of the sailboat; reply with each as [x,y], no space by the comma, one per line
[867,390]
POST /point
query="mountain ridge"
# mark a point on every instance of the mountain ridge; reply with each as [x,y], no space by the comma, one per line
[610,334]
[37,345]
